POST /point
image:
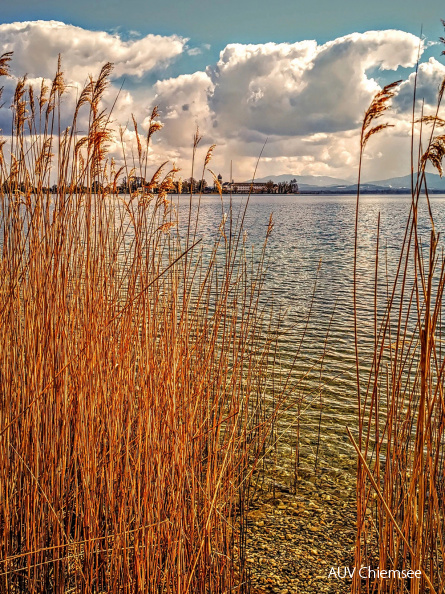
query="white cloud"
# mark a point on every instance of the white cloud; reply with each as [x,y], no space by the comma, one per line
[307,99]
[36,45]
[184,103]
[429,78]
[194,51]
[304,88]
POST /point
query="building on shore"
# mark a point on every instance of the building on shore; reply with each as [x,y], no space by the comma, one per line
[268,187]
[246,187]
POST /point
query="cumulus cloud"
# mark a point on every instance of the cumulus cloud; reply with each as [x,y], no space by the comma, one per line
[307,99]
[304,88]
[184,103]
[429,78]
[36,45]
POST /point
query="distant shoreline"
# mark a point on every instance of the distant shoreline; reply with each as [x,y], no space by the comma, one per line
[383,192]
[326,192]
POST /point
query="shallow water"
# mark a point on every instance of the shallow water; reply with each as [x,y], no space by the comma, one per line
[307,230]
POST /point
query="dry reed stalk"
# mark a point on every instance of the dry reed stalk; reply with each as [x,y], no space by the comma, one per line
[132,371]
[401,469]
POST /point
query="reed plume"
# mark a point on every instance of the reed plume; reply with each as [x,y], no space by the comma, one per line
[132,382]
[400,444]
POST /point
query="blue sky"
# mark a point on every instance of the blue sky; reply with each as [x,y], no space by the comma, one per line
[297,73]
[243,21]
[207,22]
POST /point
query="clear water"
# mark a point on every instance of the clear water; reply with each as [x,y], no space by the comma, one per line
[308,230]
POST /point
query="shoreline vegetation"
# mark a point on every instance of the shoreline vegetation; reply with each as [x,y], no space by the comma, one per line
[140,393]
[135,367]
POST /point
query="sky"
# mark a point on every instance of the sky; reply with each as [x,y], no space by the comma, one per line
[296,75]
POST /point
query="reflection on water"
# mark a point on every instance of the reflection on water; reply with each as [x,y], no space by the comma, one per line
[307,230]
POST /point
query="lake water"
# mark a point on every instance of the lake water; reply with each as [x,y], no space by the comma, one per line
[307,230]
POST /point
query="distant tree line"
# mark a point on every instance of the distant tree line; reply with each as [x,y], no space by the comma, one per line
[139,183]
[287,187]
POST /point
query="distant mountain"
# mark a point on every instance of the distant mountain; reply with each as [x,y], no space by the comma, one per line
[316,184]
[434,182]
[349,189]
[311,180]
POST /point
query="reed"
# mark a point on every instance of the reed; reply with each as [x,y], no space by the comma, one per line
[133,366]
[401,408]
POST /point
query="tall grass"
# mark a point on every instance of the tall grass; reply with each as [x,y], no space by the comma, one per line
[401,410]
[133,369]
